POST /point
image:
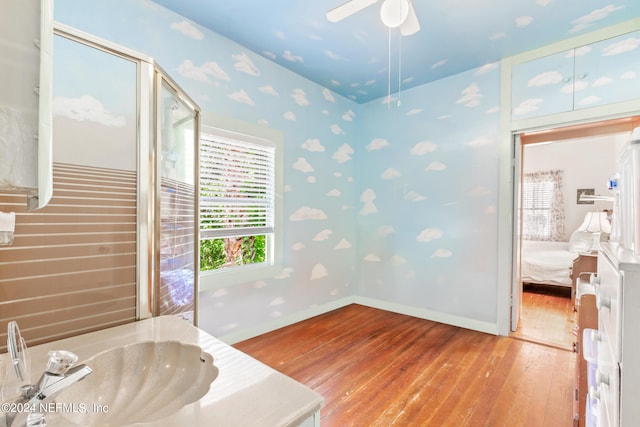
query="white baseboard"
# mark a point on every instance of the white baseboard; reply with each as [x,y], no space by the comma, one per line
[463,322]
[422,313]
[285,321]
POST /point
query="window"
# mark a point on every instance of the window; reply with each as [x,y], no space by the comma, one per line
[238,209]
[542,206]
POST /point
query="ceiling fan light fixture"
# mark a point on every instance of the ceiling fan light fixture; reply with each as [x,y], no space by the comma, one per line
[394,12]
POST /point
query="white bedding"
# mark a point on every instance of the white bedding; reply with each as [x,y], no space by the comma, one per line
[546,262]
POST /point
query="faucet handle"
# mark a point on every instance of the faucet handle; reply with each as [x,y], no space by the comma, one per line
[60,361]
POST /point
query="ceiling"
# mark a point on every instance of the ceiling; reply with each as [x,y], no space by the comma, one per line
[352,57]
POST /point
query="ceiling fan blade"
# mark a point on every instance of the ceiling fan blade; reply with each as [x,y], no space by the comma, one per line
[348,9]
[410,25]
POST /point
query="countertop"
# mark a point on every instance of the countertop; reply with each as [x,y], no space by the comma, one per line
[245,393]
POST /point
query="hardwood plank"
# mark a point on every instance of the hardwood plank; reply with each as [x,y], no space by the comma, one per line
[377,368]
[547,316]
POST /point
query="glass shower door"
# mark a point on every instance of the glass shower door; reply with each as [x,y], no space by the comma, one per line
[176,205]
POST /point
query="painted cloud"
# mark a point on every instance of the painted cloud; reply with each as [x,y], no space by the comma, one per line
[413,196]
[367,197]
[302,165]
[385,230]
[323,235]
[471,96]
[422,148]
[313,145]
[328,96]
[201,73]
[390,173]
[442,253]
[86,108]
[300,97]
[318,272]
[583,22]
[343,154]
[336,130]
[377,144]
[620,47]
[188,29]
[348,116]
[269,90]
[242,97]
[245,65]
[372,258]
[343,244]
[306,213]
[545,79]
[429,234]
[436,167]
[528,106]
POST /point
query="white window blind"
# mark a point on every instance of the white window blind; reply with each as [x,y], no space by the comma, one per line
[536,204]
[236,187]
[542,206]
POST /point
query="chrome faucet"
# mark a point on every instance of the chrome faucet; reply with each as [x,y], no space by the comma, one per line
[32,406]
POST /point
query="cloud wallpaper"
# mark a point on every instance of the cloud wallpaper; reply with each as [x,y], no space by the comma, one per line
[428,200]
[350,56]
[393,200]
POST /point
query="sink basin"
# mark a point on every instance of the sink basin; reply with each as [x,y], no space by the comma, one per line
[139,383]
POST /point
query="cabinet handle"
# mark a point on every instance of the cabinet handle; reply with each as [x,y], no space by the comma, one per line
[594,393]
[601,377]
[594,279]
[596,336]
[603,301]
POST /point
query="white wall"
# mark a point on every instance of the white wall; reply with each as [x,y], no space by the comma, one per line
[586,162]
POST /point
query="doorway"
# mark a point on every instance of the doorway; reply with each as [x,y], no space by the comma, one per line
[583,157]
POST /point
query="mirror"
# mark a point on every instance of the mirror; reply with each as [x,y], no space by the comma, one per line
[26,32]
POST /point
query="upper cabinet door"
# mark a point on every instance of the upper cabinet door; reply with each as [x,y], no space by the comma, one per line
[608,71]
[542,86]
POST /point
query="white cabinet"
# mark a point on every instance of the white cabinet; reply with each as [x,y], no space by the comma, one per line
[600,73]
[617,379]
[26,32]
[607,71]
[543,86]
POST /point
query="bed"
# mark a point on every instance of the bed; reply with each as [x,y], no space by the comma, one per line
[546,263]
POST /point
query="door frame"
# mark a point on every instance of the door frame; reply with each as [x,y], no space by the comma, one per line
[556,132]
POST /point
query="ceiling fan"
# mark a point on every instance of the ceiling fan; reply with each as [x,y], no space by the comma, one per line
[394,13]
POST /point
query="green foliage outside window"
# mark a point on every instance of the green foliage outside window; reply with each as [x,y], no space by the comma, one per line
[234,251]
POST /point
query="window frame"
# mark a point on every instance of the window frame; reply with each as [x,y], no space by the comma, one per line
[532,190]
[536,202]
[212,279]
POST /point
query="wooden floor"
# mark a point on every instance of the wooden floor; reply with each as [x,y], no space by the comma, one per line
[547,316]
[377,368]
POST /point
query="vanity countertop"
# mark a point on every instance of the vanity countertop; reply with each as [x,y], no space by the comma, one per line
[245,393]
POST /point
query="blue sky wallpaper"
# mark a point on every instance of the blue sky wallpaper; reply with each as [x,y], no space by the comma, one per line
[393,200]
[428,199]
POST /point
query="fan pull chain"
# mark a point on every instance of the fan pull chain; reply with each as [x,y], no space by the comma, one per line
[389,72]
[399,67]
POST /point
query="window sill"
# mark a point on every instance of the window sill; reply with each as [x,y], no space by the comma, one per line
[215,279]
